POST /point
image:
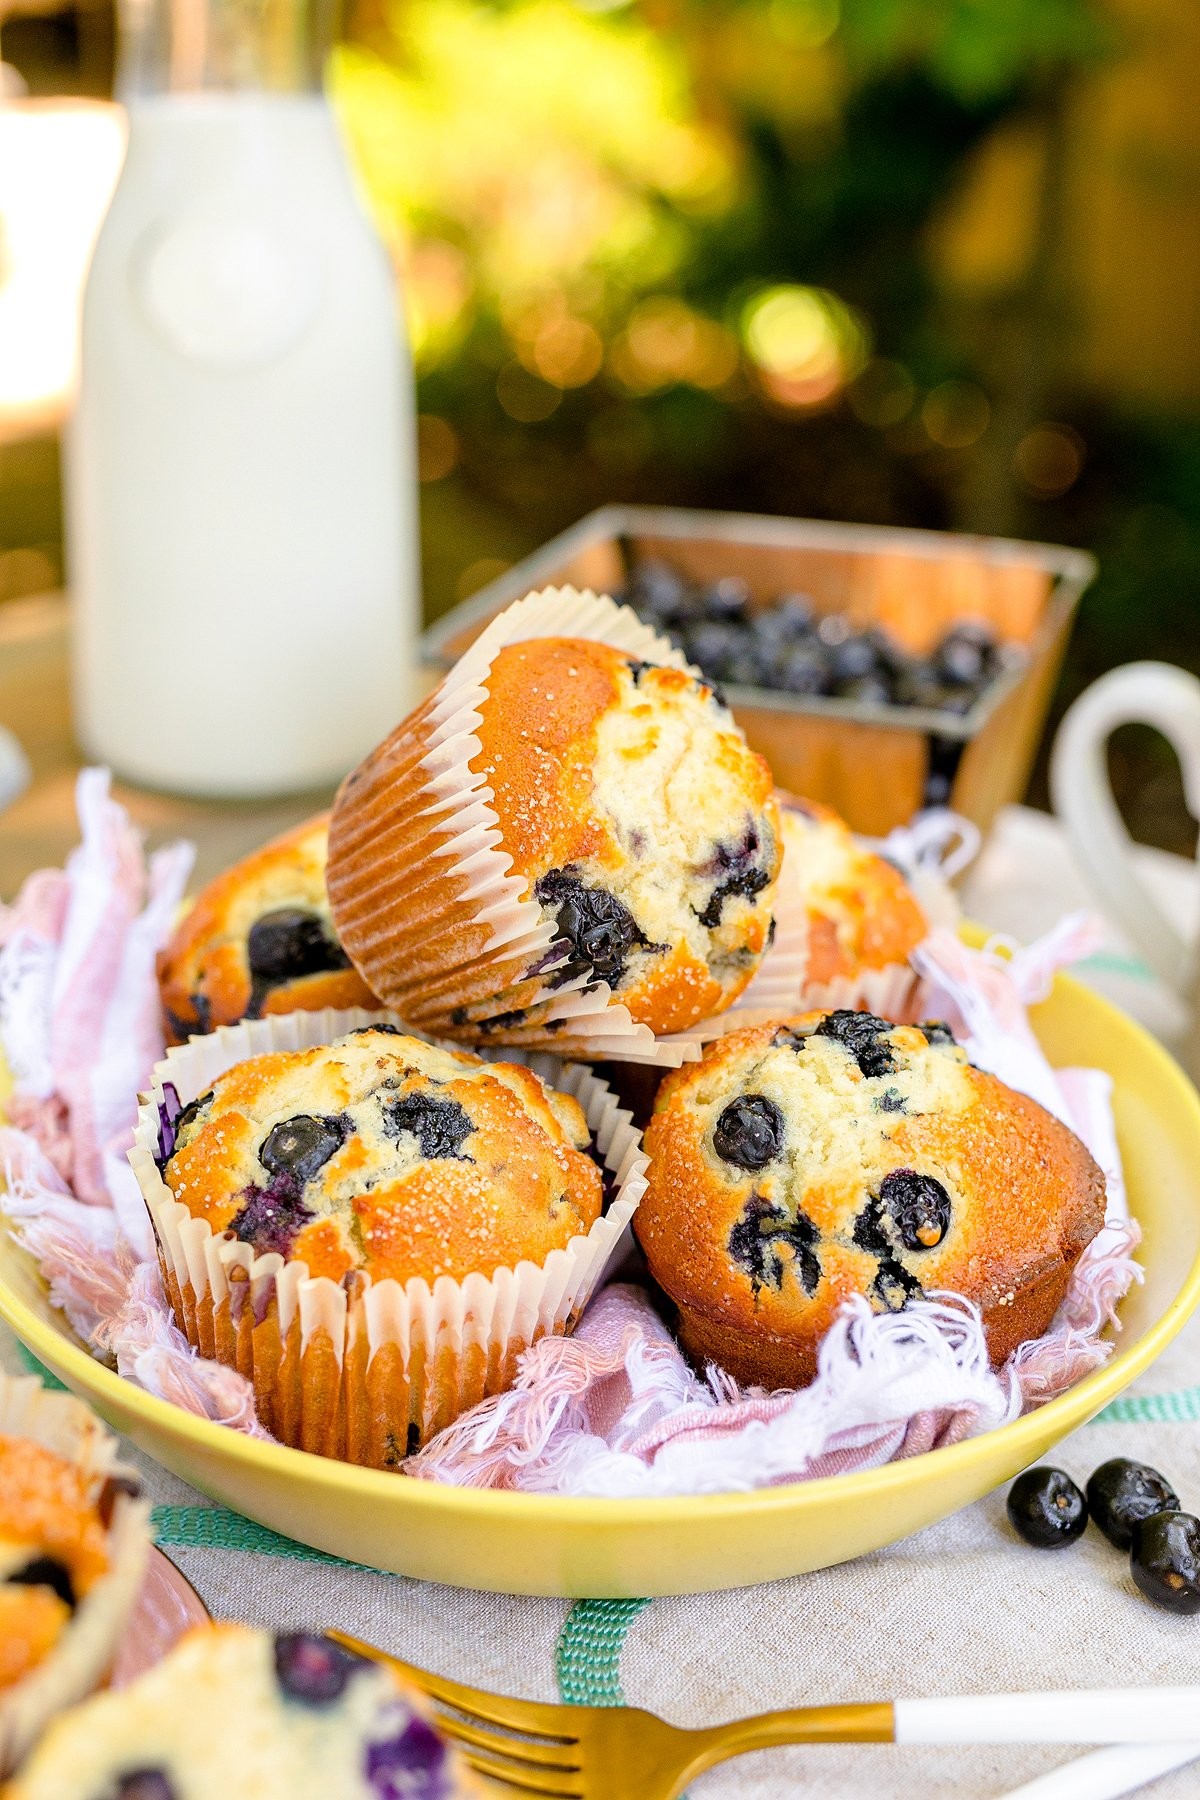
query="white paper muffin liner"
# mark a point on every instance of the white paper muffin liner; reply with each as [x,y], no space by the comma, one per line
[424,899]
[362,1370]
[81,1658]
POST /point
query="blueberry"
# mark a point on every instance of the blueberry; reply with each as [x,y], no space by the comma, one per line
[270,1217]
[891,1101]
[655,589]
[894,1285]
[145,1784]
[749,1132]
[863,1036]
[727,598]
[869,690]
[918,1206]
[857,656]
[742,874]
[802,669]
[759,1237]
[410,1765]
[312,1668]
[47,1572]
[1121,1492]
[1164,1560]
[383,1026]
[797,612]
[964,656]
[288,943]
[712,647]
[596,929]
[936,1031]
[1046,1508]
[301,1146]
[440,1126]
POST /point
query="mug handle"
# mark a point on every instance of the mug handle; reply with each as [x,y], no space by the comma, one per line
[1149,693]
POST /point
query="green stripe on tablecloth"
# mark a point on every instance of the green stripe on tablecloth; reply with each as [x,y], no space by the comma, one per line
[1153,1409]
[38,1368]
[587,1659]
[1113,963]
[220,1528]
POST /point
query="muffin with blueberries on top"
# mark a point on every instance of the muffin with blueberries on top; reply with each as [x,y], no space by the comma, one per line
[801,1163]
[636,833]
[386,1226]
[259,939]
[862,919]
[74,1539]
[237,1714]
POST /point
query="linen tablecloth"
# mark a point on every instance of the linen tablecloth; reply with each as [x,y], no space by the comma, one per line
[959,1607]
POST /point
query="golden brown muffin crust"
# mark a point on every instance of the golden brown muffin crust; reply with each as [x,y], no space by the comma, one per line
[204,974]
[760,1260]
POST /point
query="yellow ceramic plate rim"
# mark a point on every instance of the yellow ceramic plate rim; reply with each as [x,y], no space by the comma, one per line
[478,1506]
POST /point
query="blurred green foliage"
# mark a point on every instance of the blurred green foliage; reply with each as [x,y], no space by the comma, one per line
[681,251]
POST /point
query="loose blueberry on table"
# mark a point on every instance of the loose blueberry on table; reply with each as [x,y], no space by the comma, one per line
[1120,1493]
[1046,1508]
[1164,1560]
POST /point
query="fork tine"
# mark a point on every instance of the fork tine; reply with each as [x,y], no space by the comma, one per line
[532,1716]
[564,1757]
[527,1780]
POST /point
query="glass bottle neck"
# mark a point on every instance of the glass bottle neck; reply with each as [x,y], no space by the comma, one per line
[195,46]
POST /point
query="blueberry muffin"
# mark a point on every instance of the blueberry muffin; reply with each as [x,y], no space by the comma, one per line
[236,1714]
[863,918]
[74,1539]
[383,1153]
[259,939]
[53,1551]
[635,825]
[831,1155]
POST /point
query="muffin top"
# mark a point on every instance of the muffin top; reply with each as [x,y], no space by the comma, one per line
[383,1153]
[260,939]
[236,1714]
[861,912]
[53,1550]
[835,1154]
[641,822]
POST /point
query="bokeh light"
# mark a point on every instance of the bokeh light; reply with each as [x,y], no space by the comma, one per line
[666,341]
[956,414]
[883,394]
[1048,460]
[805,343]
[437,447]
[525,397]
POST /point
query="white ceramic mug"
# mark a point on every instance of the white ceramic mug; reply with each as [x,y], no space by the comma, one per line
[1149,693]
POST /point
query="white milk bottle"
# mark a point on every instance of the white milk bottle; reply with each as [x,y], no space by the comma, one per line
[240,483]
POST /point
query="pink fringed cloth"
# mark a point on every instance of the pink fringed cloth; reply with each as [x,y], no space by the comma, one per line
[615,1409]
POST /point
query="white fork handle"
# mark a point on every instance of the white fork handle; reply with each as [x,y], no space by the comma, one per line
[1152,1715]
[1107,1774]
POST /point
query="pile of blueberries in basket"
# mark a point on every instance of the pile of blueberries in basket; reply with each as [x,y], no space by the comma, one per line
[792,649]
[1135,1507]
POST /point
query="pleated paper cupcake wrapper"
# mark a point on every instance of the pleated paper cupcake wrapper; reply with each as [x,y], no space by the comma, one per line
[421,886]
[84,1653]
[361,1370]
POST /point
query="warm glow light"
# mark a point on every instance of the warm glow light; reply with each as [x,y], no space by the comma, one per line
[805,343]
[956,414]
[1048,460]
[666,341]
[59,161]
[437,447]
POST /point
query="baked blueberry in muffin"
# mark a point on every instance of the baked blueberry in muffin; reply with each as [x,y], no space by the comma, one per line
[382,1153]
[236,1714]
[835,1154]
[259,939]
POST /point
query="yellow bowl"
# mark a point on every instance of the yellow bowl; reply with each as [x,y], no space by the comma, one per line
[530,1544]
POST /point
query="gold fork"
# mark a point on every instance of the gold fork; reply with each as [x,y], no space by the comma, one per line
[623,1753]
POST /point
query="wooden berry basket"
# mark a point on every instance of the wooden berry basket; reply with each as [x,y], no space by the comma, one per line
[869,761]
